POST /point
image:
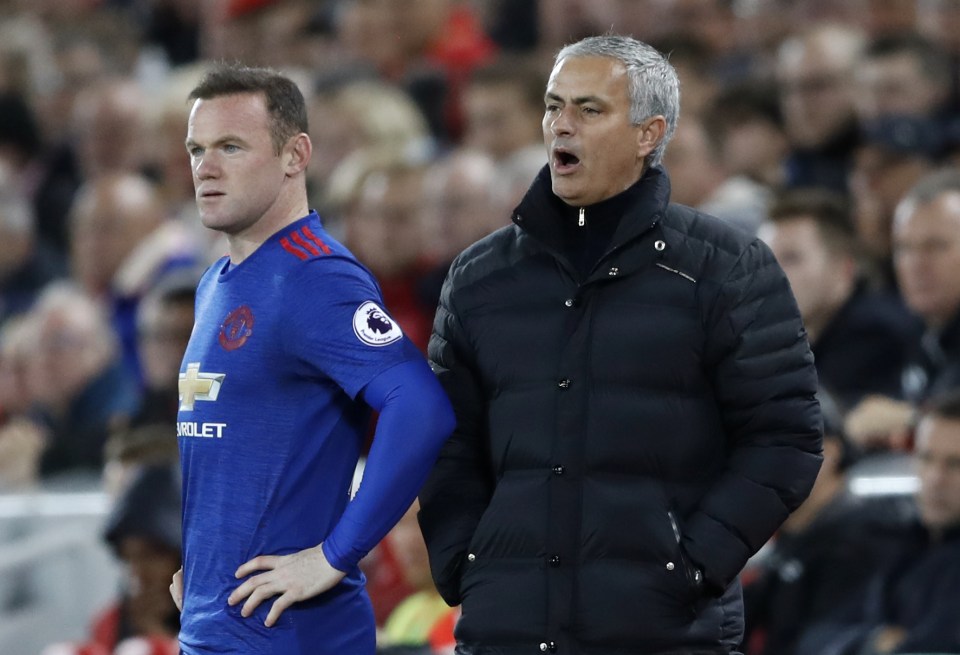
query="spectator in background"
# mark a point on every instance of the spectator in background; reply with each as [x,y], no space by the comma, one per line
[927,257]
[31,170]
[696,169]
[903,75]
[926,247]
[117,252]
[21,440]
[699,178]
[428,47]
[848,324]
[26,268]
[746,122]
[459,208]
[895,152]
[503,102]
[76,379]
[384,229]
[112,215]
[903,89]
[107,124]
[26,265]
[818,566]
[815,74]
[354,123]
[164,322]
[912,604]
[143,531]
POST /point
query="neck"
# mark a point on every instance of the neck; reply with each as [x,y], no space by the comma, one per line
[245,243]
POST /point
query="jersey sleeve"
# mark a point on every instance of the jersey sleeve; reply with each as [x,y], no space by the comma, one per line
[415,419]
[338,326]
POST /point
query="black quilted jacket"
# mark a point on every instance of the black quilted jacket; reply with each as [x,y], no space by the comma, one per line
[618,431]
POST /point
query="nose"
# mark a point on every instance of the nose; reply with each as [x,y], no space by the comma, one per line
[205,166]
[561,123]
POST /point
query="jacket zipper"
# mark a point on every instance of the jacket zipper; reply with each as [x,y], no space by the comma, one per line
[583,219]
[675,526]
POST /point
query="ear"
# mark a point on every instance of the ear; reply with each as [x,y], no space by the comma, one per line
[649,134]
[296,154]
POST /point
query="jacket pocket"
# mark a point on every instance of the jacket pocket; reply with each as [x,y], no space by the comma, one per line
[692,576]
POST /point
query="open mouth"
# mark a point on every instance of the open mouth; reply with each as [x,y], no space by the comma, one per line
[564,161]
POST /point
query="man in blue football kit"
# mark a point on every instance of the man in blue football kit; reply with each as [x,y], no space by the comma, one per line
[290,351]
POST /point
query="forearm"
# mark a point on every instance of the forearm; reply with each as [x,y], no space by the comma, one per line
[415,419]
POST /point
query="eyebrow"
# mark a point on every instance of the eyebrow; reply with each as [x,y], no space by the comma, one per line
[582,100]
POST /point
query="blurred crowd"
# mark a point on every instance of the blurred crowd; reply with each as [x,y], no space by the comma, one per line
[831,130]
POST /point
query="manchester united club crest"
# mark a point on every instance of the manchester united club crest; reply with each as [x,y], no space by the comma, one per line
[236,328]
[373,326]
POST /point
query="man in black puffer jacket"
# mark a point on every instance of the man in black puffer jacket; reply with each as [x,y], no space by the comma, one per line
[634,392]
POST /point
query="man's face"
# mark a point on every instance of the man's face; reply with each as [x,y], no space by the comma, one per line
[938,467]
[384,228]
[237,173]
[926,246]
[106,226]
[594,151]
[816,98]
[499,118]
[812,269]
[896,85]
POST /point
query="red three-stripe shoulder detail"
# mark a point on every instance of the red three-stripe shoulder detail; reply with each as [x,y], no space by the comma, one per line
[303,244]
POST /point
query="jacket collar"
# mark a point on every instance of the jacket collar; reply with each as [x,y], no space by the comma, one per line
[542,215]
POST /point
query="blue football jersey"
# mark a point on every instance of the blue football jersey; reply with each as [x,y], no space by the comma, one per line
[270,429]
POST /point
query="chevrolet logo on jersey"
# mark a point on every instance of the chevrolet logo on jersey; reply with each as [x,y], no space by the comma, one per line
[194,385]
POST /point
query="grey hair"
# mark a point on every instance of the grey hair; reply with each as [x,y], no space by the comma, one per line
[651,80]
[929,188]
[932,185]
